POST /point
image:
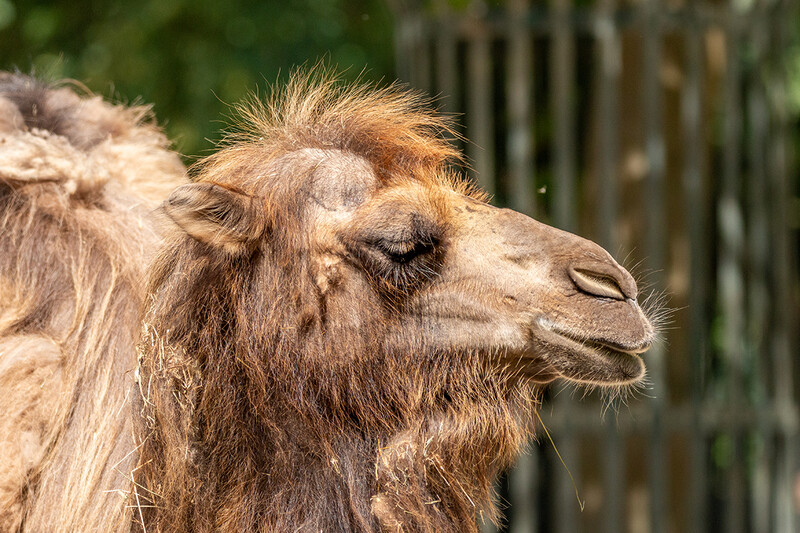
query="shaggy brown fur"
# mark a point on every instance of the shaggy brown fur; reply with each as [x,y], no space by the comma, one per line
[267,410]
[73,243]
[338,335]
[284,386]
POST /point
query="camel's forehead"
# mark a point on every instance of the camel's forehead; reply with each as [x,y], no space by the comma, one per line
[339,180]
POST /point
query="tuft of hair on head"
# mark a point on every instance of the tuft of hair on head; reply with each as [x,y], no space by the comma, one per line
[393,127]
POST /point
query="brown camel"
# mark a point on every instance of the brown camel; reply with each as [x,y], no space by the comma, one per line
[339,333]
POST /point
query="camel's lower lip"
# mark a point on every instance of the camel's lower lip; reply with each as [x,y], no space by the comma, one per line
[592,361]
[553,353]
[601,345]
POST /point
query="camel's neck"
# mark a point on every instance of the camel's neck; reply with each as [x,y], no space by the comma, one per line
[427,478]
[435,475]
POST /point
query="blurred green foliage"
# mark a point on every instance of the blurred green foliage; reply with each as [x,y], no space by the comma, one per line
[192,58]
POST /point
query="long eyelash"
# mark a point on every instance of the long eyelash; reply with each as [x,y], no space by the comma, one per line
[399,278]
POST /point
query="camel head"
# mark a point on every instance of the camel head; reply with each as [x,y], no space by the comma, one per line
[386,233]
[340,329]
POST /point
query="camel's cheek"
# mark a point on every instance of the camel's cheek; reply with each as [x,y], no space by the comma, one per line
[347,305]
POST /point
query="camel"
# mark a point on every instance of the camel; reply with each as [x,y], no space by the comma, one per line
[325,329]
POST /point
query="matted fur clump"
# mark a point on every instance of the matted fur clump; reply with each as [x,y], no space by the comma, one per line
[338,333]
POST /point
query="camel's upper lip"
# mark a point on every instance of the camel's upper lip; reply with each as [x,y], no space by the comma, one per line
[634,349]
[611,346]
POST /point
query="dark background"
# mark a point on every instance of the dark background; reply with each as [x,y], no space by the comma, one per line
[191,59]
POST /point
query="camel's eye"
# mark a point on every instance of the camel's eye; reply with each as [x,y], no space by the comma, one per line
[402,259]
[400,250]
[403,252]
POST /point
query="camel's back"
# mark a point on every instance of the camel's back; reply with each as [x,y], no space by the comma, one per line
[79,181]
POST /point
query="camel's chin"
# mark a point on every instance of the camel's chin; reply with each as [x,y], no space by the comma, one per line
[590,362]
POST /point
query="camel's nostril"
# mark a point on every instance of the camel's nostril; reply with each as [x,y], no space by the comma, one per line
[597,283]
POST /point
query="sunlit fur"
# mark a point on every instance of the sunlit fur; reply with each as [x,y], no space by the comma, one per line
[74,239]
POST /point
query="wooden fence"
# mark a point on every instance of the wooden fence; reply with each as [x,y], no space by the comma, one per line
[661,130]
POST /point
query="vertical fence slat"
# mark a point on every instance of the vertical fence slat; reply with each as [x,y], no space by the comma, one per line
[562,75]
[654,243]
[609,60]
[782,272]
[446,62]
[696,209]
[730,275]
[421,68]
[480,98]
[524,493]
[758,255]
[519,95]
[610,64]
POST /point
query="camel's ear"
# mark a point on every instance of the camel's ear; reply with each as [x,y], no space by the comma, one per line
[217,216]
